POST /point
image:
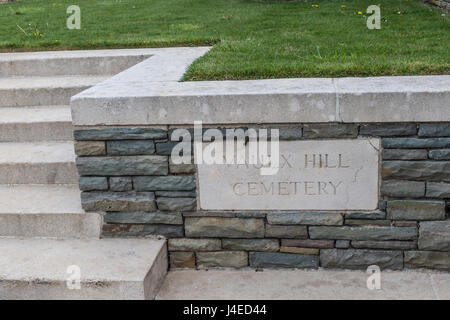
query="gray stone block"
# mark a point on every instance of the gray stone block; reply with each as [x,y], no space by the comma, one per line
[122,166]
[416,170]
[176,204]
[289,232]
[308,243]
[250,215]
[120,183]
[222,259]
[402,188]
[282,260]
[342,244]
[183,168]
[186,244]
[143,217]
[415,143]
[434,130]
[307,218]
[340,130]
[120,134]
[165,148]
[416,210]
[130,147]
[404,154]
[376,215]
[434,235]
[215,227]
[368,222]
[118,201]
[438,190]
[389,245]
[361,259]
[441,154]
[93,183]
[90,148]
[176,194]
[167,183]
[427,259]
[388,129]
[142,230]
[363,233]
[251,244]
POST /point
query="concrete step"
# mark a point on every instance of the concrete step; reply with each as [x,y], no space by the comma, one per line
[37,163]
[36,124]
[45,211]
[56,63]
[108,268]
[42,91]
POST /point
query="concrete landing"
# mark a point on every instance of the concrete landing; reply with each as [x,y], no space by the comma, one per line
[302,285]
[110,268]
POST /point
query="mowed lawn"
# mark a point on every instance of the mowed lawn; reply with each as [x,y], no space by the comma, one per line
[251,39]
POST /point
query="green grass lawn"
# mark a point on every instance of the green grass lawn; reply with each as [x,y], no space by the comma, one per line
[252,39]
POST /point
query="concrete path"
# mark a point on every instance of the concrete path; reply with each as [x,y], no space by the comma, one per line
[302,285]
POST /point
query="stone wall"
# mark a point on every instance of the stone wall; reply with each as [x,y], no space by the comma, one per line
[127,173]
[444,4]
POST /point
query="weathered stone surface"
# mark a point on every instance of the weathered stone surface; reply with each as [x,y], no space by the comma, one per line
[93,183]
[182,260]
[176,204]
[276,231]
[251,244]
[376,215]
[415,143]
[120,134]
[312,251]
[142,230]
[416,210]
[368,222]
[165,148]
[120,183]
[230,259]
[308,243]
[299,184]
[342,244]
[181,168]
[382,205]
[404,154]
[285,132]
[438,190]
[403,223]
[402,188]
[434,235]
[434,130]
[122,166]
[250,214]
[340,130]
[282,260]
[360,259]
[167,183]
[388,129]
[176,194]
[441,154]
[395,245]
[130,147]
[416,170]
[427,259]
[186,244]
[223,214]
[308,218]
[90,148]
[363,233]
[143,217]
[118,201]
[224,227]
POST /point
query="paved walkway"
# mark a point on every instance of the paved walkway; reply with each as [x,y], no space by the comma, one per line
[302,284]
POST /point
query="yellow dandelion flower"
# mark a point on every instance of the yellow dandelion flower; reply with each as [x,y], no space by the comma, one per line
[359,12]
[343,6]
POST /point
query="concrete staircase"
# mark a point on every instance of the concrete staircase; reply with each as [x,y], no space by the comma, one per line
[43,229]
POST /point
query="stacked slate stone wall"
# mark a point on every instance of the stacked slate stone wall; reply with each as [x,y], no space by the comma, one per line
[127,173]
[444,4]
